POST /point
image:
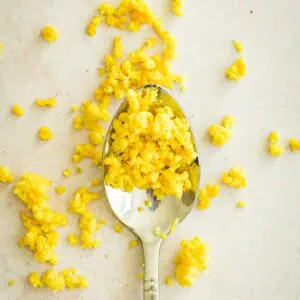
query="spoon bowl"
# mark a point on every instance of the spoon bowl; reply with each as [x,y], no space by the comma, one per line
[162,215]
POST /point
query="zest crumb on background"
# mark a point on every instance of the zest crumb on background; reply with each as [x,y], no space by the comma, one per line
[235,177]
[17,110]
[221,134]
[206,194]
[45,133]
[49,34]
[237,70]
[58,281]
[191,259]
[273,148]
[6,175]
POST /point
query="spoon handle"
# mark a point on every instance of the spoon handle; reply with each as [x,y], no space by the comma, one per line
[151,257]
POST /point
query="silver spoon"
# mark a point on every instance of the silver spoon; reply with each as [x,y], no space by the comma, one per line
[162,214]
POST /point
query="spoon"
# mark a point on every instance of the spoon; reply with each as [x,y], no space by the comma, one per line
[163,214]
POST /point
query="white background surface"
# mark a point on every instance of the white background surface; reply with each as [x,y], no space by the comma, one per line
[255,253]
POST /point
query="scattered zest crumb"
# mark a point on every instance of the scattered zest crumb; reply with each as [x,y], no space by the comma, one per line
[50,102]
[169,280]
[67,173]
[157,231]
[276,150]
[163,235]
[95,182]
[148,203]
[238,46]
[221,134]
[60,190]
[78,170]
[49,34]
[74,108]
[73,239]
[11,282]
[18,110]
[274,137]
[241,204]
[235,177]
[119,228]
[1,46]
[5,175]
[174,225]
[178,7]
[206,194]
[140,209]
[140,276]
[133,244]
[45,133]
[273,148]
[237,70]
[294,144]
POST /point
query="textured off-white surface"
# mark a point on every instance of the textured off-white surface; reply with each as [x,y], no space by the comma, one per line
[255,253]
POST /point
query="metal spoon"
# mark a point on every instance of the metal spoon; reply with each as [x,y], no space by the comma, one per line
[161,214]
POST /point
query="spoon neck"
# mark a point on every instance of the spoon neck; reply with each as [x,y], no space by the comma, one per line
[151,282]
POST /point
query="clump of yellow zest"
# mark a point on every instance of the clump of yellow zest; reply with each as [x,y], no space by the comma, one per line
[235,177]
[221,134]
[151,148]
[58,281]
[40,224]
[191,259]
[88,223]
[206,194]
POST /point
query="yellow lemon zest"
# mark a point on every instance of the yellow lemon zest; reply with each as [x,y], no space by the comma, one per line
[40,224]
[191,259]
[235,177]
[5,175]
[221,134]
[18,110]
[45,133]
[206,194]
[49,34]
[237,70]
